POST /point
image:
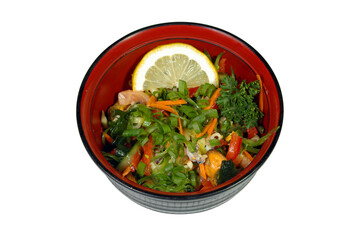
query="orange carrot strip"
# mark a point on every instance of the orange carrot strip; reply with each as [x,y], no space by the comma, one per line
[151,100]
[204,130]
[202,171]
[176,102]
[247,154]
[126,171]
[212,126]
[108,138]
[180,127]
[164,107]
[261,94]
[213,98]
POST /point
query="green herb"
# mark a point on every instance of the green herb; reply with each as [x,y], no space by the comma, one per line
[237,104]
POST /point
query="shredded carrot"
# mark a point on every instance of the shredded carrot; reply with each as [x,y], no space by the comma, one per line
[202,171]
[175,102]
[180,127]
[261,94]
[164,107]
[108,138]
[204,130]
[213,98]
[212,126]
[126,171]
[151,100]
[247,154]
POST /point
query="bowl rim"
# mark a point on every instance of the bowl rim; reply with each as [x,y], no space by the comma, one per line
[206,194]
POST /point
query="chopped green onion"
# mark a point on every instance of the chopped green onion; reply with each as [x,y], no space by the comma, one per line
[173,95]
[179,138]
[191,146]
[141,167]
[189,100]
[183,88]
[200,119]
[193,178]
[198,91]
[143,140]
[173,121]
[157,138]
[188,111]
[133,132]
[152,128]
[203,103]
[214,142]
[259,142]
[217,60]
[196,126]
[211,113]
[160,155]
[204,89]
[210,91]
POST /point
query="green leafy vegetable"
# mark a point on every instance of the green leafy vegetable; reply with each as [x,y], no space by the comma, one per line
[237,104]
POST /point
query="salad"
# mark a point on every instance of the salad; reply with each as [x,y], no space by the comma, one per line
[182,139]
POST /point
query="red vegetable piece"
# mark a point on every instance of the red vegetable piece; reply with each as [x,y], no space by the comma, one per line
[234,147]
[252,132]
[135,161]
[222,65]
[192,91]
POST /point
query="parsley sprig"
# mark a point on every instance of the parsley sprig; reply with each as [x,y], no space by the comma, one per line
[237,103]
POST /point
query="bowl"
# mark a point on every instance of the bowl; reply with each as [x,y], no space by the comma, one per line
[110,73]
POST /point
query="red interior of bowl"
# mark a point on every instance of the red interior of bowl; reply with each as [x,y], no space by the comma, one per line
[111,73]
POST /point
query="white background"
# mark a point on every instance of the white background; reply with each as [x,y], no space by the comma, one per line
[51,189]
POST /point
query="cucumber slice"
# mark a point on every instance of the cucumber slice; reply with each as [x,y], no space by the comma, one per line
[125,162]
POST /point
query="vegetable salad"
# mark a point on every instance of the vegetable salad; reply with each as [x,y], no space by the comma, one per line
[186,139]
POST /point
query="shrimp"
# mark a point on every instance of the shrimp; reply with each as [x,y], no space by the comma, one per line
[130,97]
[125,99]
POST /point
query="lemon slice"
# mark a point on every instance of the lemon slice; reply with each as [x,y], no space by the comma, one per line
[165,65]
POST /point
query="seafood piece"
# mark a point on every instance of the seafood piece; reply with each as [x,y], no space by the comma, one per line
[130,97]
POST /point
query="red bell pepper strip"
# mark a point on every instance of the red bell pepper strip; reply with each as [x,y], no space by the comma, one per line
[252,132]
[147,155]
[135,161]
[192,91]
[234,146]
[222,65]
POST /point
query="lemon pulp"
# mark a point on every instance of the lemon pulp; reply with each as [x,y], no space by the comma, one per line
[165,65]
